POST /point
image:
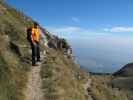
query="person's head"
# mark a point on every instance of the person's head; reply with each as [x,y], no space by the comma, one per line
[35,25]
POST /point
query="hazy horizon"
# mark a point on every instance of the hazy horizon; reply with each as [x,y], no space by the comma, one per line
[102,53]
[100,31]
[97,56]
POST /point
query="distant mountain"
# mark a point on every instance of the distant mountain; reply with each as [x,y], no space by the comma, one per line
[61,78]
[123,80]
[126,71]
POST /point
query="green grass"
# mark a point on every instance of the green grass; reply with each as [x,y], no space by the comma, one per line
[59,78]
[13,70]
[12,78]
[101,89]
[60,75]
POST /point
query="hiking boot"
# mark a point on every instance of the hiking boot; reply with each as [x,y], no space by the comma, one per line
[38,63]
[34,64]
[39,60]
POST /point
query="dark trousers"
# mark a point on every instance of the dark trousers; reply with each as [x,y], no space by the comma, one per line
[35,52]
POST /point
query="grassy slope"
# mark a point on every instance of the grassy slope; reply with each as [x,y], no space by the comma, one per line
[123,80]
[124,84]
[61,72]
[61,78]
[102,89]
[12,68]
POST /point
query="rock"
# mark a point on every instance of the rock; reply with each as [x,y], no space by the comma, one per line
[15,48]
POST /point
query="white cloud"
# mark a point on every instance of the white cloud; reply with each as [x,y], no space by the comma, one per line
[67,30]
[74,32]
[119,29]
[75,19]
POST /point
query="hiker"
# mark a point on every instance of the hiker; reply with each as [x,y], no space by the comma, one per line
[33,36]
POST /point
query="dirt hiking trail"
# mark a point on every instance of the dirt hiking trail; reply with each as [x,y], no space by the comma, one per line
[34,84]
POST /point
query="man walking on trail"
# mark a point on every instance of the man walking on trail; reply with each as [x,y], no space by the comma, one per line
[33,36]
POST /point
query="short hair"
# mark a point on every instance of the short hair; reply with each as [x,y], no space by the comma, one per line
[36,24]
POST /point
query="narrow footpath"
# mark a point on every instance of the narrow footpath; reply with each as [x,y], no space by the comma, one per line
[34,85]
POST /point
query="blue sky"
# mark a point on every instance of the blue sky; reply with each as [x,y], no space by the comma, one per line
[83,17]
[100,31]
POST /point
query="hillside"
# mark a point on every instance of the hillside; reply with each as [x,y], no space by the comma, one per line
[123,80]
[15,62]
[126,71]
[57,78]
[13,66]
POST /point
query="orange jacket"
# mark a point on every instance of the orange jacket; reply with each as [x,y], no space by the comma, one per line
[35,35]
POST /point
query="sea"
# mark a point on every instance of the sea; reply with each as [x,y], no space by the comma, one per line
[102,54]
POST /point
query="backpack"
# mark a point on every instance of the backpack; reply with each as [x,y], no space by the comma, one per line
[29,33]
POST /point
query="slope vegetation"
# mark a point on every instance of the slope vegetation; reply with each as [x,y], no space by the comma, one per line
[57,78]
[13,67]
[59,75]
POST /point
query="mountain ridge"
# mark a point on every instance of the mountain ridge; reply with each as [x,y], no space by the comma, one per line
[62,79]
[127,70]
